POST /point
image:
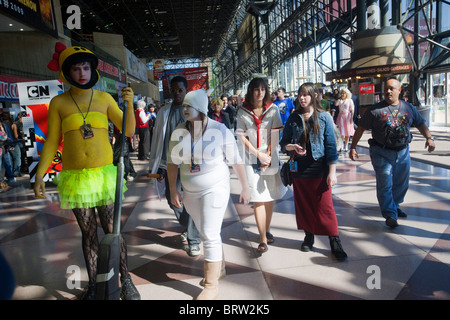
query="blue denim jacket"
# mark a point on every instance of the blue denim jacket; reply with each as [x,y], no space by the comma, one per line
[324,145]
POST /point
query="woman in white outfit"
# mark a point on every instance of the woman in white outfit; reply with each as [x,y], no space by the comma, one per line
[258,128]
[203,148]
[344,119]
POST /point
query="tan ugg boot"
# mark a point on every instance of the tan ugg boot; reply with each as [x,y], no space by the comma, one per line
[211,283]
[222,275]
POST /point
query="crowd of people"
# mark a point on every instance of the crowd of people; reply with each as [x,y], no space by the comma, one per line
[12,154]
[194,138]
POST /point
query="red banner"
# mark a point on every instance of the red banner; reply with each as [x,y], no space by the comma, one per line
[197,78]
[366,88]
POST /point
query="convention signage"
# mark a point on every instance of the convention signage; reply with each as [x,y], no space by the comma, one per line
[109,70]
[34,98]
[197,78]
[370,71]
[158,68]
[36,13]
[8,87]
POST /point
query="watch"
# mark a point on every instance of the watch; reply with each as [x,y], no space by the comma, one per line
[430,138]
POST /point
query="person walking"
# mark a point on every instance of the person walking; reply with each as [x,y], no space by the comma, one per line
[309,139]
[209,147]
[258,129]
[285,105]
[5,157]
[19,156]
[87,182]
[344,120]
[167,119]
[218,114]
[151,122]
[229,109]
[390,122]
[142,120]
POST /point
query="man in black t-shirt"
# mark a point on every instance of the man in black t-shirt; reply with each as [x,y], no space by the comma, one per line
[390,122]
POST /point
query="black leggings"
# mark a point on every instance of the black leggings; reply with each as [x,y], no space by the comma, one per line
[87,221]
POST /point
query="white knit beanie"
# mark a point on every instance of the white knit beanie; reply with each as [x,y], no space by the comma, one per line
[198,99]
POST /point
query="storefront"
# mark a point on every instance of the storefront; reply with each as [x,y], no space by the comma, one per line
[112,79]
[438,99]
[368,82]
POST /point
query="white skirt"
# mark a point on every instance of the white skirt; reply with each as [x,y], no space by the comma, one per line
[265,186]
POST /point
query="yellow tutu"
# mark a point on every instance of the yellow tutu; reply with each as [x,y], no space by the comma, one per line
[87,188]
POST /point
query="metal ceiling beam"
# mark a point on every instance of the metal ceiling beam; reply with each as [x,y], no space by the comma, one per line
[281,44]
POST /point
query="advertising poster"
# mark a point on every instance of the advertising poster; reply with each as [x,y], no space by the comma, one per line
[38,13]
[34,98]
[197,78]
[158,69]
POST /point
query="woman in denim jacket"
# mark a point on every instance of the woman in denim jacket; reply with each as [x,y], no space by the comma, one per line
[308,137]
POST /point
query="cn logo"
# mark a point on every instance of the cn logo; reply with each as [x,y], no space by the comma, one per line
[38,91]
[74,20]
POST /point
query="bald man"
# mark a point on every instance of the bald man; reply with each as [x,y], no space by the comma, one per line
[390,122]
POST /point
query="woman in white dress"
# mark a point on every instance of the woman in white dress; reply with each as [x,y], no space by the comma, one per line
[258,128]
[344,119]
[203,148]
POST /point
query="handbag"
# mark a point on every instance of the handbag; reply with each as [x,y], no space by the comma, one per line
[285,173]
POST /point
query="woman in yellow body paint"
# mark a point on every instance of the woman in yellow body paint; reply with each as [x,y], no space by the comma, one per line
[88,178]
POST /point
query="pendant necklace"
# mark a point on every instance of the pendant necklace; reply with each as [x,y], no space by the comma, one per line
[86,129]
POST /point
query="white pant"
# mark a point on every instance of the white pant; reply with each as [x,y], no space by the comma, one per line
[207,209]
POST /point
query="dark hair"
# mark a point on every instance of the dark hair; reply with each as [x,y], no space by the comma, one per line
[281,88]
[255,83]
[238,100]
[310,90]
[177,79]
[82,59]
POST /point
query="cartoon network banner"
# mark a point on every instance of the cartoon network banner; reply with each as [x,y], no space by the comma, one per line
[34,98]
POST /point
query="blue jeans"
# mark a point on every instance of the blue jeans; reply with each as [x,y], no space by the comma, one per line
[16,157]
[183,217]
[392,177]
[7,163]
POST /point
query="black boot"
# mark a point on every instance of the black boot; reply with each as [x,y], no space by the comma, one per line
[336,248]
[89,292]
[308,242]
[128,290]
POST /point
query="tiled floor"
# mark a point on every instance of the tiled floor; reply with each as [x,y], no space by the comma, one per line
[43,242]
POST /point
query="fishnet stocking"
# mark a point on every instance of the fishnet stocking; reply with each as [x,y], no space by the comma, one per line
[87,221]
[89,240]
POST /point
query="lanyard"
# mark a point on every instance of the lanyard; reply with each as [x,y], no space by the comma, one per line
[89,108]
[193,143]
[86,129]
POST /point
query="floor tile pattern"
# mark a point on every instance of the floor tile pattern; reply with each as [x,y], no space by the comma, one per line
[41,242]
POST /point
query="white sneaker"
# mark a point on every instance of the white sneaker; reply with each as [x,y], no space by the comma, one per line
[130,178]
[194,250]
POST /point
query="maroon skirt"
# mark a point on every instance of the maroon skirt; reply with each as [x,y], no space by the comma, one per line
[314,208]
